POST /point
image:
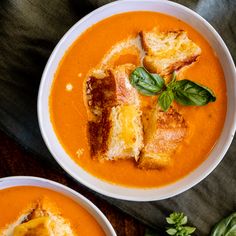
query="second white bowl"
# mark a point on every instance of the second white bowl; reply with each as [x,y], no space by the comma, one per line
[16,181]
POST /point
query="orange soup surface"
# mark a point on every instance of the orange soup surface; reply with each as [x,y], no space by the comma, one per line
[69,115]
[14,201]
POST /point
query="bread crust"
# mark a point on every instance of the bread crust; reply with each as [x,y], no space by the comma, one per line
[168,51]
[165,132]
[102,95]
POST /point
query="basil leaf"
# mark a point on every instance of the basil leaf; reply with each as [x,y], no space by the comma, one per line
[171,231]
[170,221]
[188,93]
[184,220]
[226,227]
[165,99]
[146,83]
[189,230]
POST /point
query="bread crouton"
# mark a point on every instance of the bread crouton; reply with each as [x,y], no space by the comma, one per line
[168,51]
[43,219]
[115,130]
[162,135]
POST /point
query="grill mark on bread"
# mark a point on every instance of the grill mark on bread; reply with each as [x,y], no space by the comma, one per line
[101,98]
[100,94]
[98,133]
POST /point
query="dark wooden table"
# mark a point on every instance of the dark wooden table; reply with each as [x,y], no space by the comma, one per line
[15,160]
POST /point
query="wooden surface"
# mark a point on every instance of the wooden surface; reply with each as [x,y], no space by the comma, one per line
[14,160]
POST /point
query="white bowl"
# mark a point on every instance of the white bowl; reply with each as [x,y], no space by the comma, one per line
[15,181]
[126,193]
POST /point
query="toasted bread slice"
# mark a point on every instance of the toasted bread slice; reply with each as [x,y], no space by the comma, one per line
[168,51]
[43,219]
[126,94]
[162,134]
[106,89]
[115,129]
[100,97]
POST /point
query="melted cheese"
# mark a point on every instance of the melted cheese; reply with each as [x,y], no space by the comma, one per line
[125,137]
[126,120]
[36,227]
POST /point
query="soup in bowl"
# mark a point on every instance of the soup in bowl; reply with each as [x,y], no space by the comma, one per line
[43,207]
[136,103]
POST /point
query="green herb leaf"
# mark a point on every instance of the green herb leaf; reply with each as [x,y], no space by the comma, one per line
[171,231]
[189,230]
[170,220]
[146,83]
[188,93]
[177,220]
[185,92]
[165,99]
[226,227]
[184,220]
[177,217]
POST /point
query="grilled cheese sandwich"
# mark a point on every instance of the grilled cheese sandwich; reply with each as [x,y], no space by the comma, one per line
[162,135]
[41,219]
[121,125]
[168,51]
[115,130]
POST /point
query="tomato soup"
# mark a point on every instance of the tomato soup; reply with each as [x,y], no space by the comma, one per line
[13,201]
[69,116]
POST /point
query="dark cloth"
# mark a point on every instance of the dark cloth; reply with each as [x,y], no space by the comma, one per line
[30,29]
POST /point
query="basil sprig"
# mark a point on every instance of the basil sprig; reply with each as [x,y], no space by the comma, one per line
[185,92]
[225,227]
[146,83]
[165,99]
[178,221]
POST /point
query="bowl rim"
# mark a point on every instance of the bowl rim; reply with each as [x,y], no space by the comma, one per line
[91,208]
[117,195]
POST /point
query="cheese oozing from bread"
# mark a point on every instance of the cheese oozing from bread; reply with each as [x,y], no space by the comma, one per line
[125,137]
[42,219]
[115,129]
[35,227]
[168,51]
